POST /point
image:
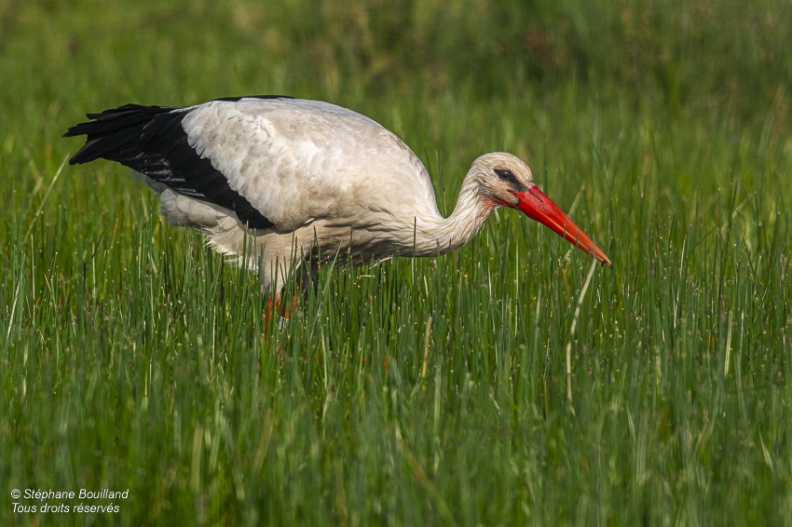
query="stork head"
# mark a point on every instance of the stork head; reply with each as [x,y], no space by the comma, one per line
[506,180]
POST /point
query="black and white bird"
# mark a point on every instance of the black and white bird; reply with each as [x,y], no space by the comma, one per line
[275,181]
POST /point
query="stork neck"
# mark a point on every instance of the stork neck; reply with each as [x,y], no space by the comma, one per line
[440,235]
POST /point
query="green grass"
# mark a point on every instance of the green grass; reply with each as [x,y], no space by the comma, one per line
[417,392]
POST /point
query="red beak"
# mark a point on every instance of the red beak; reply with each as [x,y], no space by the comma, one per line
[539,207]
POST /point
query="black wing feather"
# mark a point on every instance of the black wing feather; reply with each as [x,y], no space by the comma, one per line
[152,141]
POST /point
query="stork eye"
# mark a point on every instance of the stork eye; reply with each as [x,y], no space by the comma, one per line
[507,176]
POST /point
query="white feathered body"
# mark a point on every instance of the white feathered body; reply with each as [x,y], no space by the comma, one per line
[327,183]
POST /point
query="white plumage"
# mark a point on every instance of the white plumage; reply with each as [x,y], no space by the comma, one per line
[274,180]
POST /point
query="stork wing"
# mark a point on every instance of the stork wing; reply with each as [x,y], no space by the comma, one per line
[274,161]
[153,141]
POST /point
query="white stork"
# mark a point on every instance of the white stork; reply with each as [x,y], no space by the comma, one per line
[270,180]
